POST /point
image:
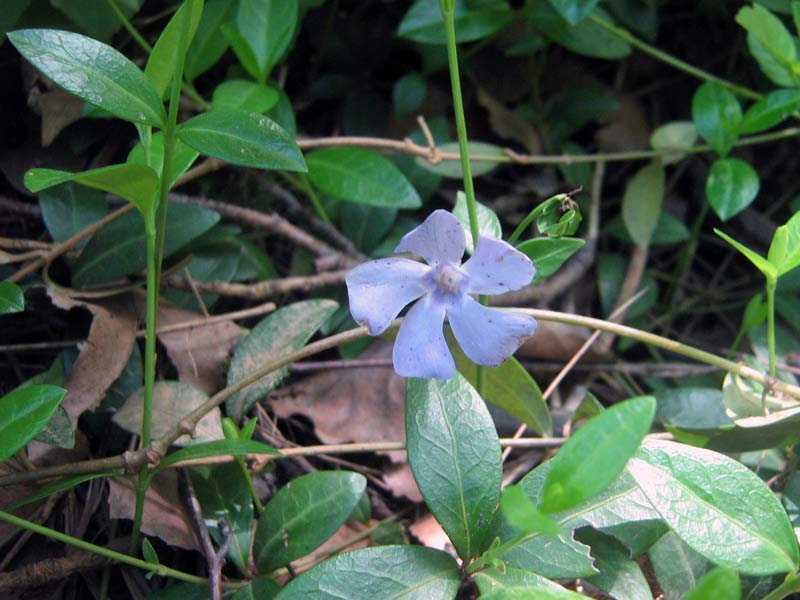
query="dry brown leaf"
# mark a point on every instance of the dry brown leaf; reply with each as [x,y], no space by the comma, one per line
[199,353]
[58,109]
[10,494]
[343,535]
[558,342]
[627,128]
[428,531]
[401,481]
[509,125]
[164,515]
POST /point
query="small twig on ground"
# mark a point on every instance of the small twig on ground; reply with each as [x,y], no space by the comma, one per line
[263,289]
[213,560]
[631,282]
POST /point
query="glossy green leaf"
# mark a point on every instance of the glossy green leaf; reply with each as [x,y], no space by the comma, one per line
[620,575]
[483,158]
[283,331]
[243,139]
[586,37]
[182,158]
[224,497]
[98,20]
[249,96]
[59,485]
[407,572]
[537,593]
[12,300]
[208,45]
[717,116]
[92,71]
[770,32]
[488,222]
[641,204]
[596,454]
[522,514]
[238,447]
[409,93]
[172,44]
[454,455]
[423,22]
[774,70]
[698,493]
[23,412]
[259,588]
[787,237]
[303,514]
[492,580]
[675,137]
[267,26]
[136,183]
[548,254]
[366,226]
[761,263]
[573,11]
[677,567]
[770,110]
[361,176]
[58,430]
[732,185]
[118,249]
[70,208]
[719,584]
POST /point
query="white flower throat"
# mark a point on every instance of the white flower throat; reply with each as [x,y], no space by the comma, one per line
[450,279]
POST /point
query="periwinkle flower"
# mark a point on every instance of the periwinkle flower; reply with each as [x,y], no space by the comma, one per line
[378,290]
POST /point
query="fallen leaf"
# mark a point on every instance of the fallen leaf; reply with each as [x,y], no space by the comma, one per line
[164,515]
[8,496]
[558,342]
[58,109]
[627,128]
[509,125]
[401,481]
[428,531]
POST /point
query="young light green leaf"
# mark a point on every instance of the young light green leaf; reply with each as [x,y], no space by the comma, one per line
[70,208]
[548,254]
[243,139]
[23,412]
[777,72]
[407,572]
[136,183]
[148,552]
[698,493]
[361,176]
[303,514]
[423,22]
[12,299]
[249,96]
[267,26]
[675,137]
[238,447]
[717,116]
[762,264]
[60,485]
[491,580]
[409,93]
[483,158]
[787,237]
[536,593]
[521,513]
[770,110]
[172,44]
[573,11]
[208,45]
[596,454]
[641,204]
[770,32]
[92,71]
[732,185]
[488,222]
[182,158]
[454,455]
[586,37]
[719,584]
[283,331]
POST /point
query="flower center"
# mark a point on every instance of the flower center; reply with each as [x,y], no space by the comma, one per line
[450,279]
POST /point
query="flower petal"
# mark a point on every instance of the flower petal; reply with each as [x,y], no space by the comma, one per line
[420,349]
[379,289]
[497,267]
[439,239]
[489,336]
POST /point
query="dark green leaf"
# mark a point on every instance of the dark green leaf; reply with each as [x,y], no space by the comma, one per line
[267,26]
[361,176]
[483,158]
[303,514]
[118,249]
[423,22]
[454,455]
[284,331]
[208,45]
[217,448]
[243,139]
[70,208]
[259,588]
[98,20]
[172,44]
[182,158]
[490,580]
[719,584]
[669,230]
[409,93]
[548,254]
[23,413]
[12,299]
[620,576]
[692,408]
[536,593]
[641,205]
[587,37]
[136,183]
[677,567]
[366,226]
[717,116]
[92,71]
[407,572]
[521,513]
[698,493]
[488,222]
[596,454]
[770,110]
[573,10]
[732,185]
[249,96]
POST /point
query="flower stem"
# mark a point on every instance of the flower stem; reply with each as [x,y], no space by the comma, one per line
[529,219]
[129,27]
[305,184]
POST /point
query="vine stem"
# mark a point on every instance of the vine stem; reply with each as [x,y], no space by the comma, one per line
[790,585]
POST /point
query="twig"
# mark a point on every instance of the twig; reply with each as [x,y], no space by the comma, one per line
[20,208]
[263,289]
[633,277]
[213,561]
[20,244]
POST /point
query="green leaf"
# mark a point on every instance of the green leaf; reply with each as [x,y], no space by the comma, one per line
[136,183]
[482,159]
[170,48]
[770,32]
[407,572]
[259,588]
[57,486]
[717,116]
[677,567]
[249,96]
[491,580]
[611,270]
[454,454]
[70,208]
[118,249]
[23,413]
[596,454]
[182,158]
[92,71]
[303,514]
[243,139]
[97,19]
[283,331]
[488,222]
[224,496]
[770,110]
[699,495]
[148,552]
[675,137]
[787,236]
[732,185]
[423,22]
[366,226]
[775,71]
[409,93]
[202,450]
[267,26]
[361,176]
[12,300]
[241,49]
[535,593]
[573,11]
[719,584]
[669,230]
[586,37]
[521,513]
[641,205]
[620,575]
[208,45]
[548,254]
[761,263]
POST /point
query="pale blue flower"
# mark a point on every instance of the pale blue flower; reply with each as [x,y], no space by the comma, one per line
[379,289]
